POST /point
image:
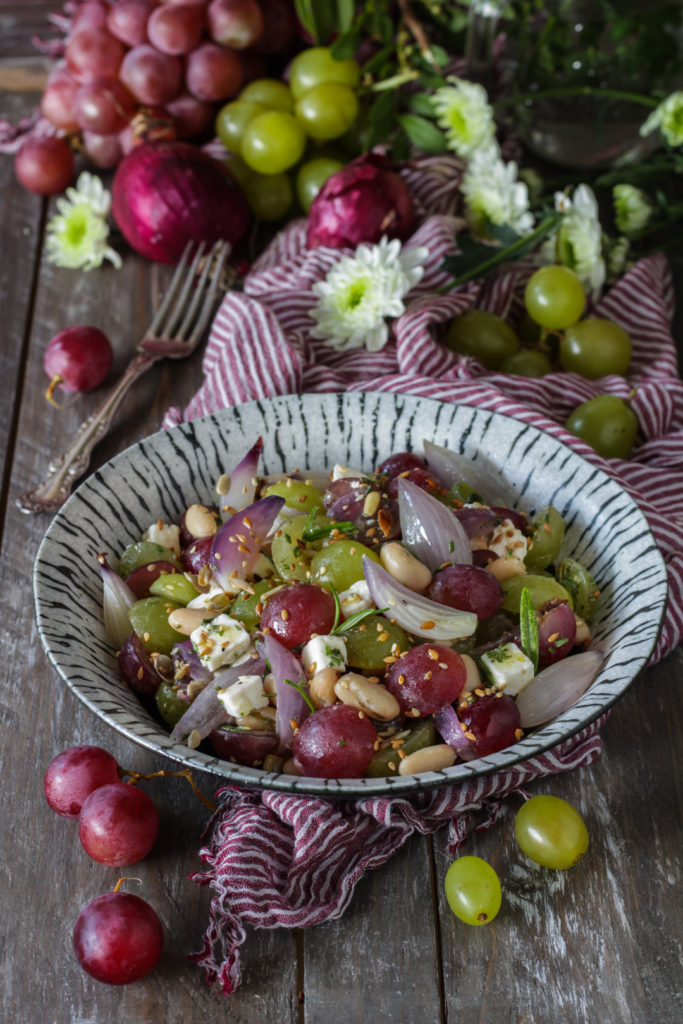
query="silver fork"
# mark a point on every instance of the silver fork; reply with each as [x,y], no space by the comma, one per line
[174,333]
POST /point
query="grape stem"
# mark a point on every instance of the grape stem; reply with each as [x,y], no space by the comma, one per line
[185,773]
[55,382]
[126,878]
[417,32]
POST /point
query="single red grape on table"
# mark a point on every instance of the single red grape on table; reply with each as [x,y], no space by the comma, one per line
[118,938]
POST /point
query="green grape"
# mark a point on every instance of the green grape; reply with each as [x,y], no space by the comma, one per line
[554,297]
[239,170]
[386,761]
[142,553]
[607,424]
[483,335]
[541,590]
[232,119]
[527,362]
[311,176]
[473,890]
[291,555]
[327,111]
[340,564]
[595,347]
[169,705]
[297,494]
[273,142]
[316,66]
[246,608]
[174,586]
[575,578]
[547,534]
[551,832]
[372,640]
[149,619]
[270,196]
[270,93]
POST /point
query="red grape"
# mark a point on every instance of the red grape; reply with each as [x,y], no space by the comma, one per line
[94,53]
[76,773]
[104,151]
[58,99]
[422,477]
[118,938]
[191,117]
[426,678]
[399,463]
[44,166]
[91,14]
[235,23]
[175,29]
[136,667]
[212,72]
[337,742]
[197,555]
[494,721]
[140,579]
[152,77]
[103,107]
[297,611]
[127,20]
[77,359]
[556,634]
[468,588]
[118,825]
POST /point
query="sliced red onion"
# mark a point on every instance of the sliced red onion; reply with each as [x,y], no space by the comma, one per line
[557,688]
[451,468]
[206,712]
[291,706]
[429,529]
[237,545]
[186,652]
[117,598]
[477,522]
[415,613]
[451,731]
[243,480]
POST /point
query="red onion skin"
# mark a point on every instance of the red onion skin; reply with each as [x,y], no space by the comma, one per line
[166,194]
[361,203]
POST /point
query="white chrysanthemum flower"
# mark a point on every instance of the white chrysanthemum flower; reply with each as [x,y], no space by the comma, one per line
[632,208]
[668,117]
[493,193]
[465,114]
[78,234]
[361,291]
[577,243]
[616,258]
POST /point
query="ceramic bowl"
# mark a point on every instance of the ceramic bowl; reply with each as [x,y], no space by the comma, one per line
[162,474]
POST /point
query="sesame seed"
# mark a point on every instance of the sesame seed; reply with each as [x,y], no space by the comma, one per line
[383,637]
[140,672]
[284,614]
[401,754]
[392,765]
[470,736]
[432,653]
[519,733]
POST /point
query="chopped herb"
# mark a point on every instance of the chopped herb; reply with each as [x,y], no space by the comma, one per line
[341,743]
[337,609]
[355,619]
[318,532]
[528,628]
[303,690]
[451,545]
[561,641]
[500,654]
[333,655]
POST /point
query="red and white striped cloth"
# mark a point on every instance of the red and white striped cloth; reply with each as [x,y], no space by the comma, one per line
[288,861]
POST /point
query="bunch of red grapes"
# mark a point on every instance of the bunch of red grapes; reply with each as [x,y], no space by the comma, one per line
[172,60]
[117,937]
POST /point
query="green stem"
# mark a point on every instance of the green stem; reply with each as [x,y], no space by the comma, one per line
[505,254]
[577,90]
[395,81]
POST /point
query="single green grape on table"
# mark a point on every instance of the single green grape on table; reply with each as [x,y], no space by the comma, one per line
[483,335]
[595,347]
[551,832]
[270,196]
[555,298]
[473,890]
[607,424]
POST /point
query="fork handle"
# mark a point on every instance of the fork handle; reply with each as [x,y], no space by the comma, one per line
[64,470]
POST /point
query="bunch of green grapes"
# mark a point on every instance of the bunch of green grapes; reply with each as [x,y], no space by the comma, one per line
[276,131]
[554,335]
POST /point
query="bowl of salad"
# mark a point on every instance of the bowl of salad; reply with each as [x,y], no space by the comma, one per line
[349,594]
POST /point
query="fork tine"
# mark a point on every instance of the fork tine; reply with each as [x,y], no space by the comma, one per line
[212,271]
[170,295]
[168,328]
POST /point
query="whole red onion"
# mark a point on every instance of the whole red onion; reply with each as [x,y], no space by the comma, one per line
[361,203]
[166,194]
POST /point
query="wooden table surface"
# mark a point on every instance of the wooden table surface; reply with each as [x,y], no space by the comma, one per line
[600,944]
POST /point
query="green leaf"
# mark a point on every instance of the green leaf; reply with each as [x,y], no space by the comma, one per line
[423,133]
[382,119]
[528,627]
[400,148]
[318,18]
[346,10]
[346,45]
[378,61]
[477,258]
[421,103]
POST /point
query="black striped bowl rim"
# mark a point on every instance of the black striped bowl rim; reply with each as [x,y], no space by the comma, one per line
[160,475]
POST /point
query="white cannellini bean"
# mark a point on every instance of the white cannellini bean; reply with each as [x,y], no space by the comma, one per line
[200,522]
[404,567]
[370,697]
[428,759]
[506,568]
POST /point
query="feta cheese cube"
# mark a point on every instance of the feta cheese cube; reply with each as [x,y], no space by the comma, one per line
[214,599]
[220,642]
[508,668]
[342,472]
[324,652]
[355,599]
[507,541]
[165,534]
[243,696]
